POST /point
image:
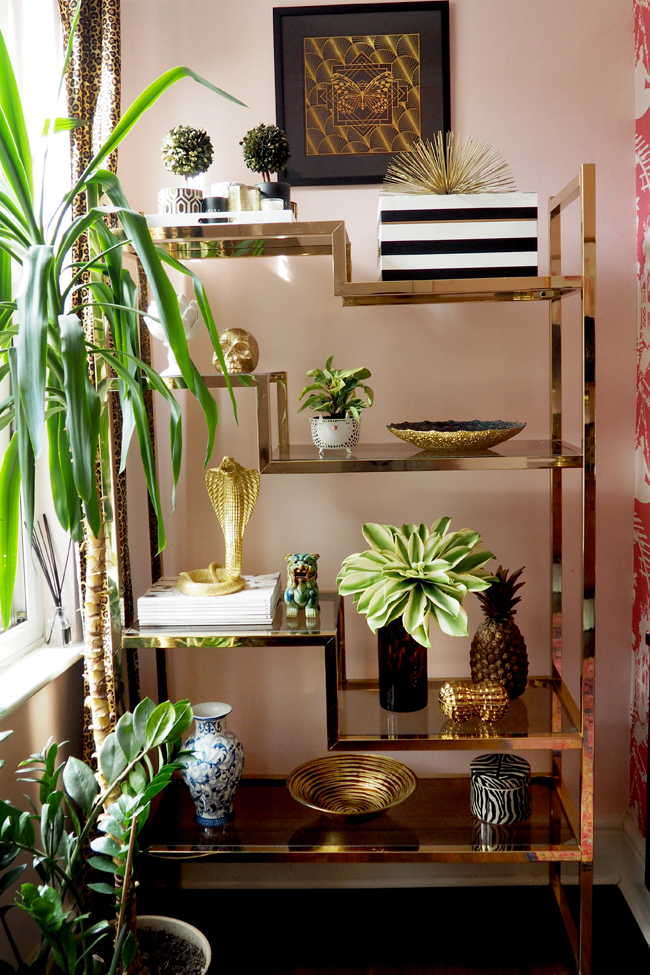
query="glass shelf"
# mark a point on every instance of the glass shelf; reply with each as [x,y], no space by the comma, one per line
[434,824]
[327,238]
[283,631]
[545,716]
[514,454]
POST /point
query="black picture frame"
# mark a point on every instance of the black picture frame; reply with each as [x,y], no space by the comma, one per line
[340,104]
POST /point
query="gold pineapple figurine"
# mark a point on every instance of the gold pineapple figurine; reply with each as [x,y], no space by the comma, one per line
[233,491]
[498,651]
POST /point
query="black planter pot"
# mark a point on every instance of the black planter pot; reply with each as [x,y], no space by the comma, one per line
[402,669]
[276,191]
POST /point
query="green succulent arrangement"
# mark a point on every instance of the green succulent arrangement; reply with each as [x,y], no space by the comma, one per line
[187,151]
[333,391]
[416,573]
[266,150]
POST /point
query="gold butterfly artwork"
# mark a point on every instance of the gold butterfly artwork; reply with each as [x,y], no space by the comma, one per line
[353,97]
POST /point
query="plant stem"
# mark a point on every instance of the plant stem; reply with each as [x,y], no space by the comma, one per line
[12,943]
[95,596]
[126,880]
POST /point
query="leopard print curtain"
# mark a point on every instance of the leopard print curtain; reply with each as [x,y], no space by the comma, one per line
[94,77]
[93,83]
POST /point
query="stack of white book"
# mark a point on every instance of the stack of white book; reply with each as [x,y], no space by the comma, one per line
[164,605]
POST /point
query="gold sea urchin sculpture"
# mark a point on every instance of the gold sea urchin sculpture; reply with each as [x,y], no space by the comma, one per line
[233,491]
[450,165]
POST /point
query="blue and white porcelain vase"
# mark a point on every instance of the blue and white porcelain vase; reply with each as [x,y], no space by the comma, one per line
[214,777]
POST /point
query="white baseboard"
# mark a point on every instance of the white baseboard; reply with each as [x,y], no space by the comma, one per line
[632,881]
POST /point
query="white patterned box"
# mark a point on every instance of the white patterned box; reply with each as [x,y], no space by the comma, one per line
[465,235]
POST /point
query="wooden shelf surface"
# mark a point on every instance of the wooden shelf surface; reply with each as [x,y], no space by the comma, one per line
[433,825]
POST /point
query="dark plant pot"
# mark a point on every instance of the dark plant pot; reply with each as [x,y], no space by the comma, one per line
[402,669]
[276,191]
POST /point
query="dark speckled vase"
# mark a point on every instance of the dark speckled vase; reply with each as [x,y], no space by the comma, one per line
[402,669]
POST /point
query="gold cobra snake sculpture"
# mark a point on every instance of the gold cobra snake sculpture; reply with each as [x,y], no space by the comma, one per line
[233,491]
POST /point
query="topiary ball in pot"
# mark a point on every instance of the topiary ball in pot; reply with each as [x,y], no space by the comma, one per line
[187,151]
[266,150]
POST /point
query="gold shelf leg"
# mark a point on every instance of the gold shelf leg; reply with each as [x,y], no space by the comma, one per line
[280,379]
[263,392]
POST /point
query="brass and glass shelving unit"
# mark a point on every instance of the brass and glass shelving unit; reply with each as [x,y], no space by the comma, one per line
[434,825]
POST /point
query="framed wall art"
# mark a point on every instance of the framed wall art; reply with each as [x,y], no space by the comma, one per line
[357,83]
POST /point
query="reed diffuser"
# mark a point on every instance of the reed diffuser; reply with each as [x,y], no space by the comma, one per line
[57,630]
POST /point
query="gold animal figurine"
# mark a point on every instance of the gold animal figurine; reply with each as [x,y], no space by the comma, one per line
[233,491]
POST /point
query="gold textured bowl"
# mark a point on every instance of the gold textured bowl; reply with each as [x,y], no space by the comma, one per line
[351,787]
[456,435]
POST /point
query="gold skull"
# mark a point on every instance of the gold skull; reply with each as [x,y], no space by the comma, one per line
[240,350]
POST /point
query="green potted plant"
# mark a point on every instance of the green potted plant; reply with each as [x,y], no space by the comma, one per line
[186,152]
[334,396]
[60,371]
[411,575]
[266,151]
[135,763]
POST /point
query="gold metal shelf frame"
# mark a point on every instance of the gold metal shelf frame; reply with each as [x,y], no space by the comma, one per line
[548,718]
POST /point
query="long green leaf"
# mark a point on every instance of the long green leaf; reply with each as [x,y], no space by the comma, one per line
[142,104]
[5,280]
[52,127]
[9,527]
[144,439]
[16,177]
[10,207]
[12,109]
[64,492]
[83,405]
[160,286]
[176,417]
[25,449]
[129,119]
[31,343]
[206,312]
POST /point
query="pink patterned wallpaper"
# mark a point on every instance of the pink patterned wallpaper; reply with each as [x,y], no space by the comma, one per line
[641,612]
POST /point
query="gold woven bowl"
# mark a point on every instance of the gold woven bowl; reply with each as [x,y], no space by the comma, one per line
[456,435]
[351,787]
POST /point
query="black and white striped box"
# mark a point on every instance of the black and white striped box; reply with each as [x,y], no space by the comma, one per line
[464,235]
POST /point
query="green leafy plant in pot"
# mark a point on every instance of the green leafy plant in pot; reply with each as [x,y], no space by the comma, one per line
[334,395]
[409,576]
[60,372]
[135,763]
[266,150]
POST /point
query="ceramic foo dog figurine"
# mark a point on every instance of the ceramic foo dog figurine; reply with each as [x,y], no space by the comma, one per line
[302,587]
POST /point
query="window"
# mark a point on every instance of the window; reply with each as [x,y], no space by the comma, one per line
[32,33]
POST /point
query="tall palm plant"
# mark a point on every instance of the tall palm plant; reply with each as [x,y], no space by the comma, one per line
[59,373]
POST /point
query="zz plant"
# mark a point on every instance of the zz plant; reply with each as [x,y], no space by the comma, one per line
[416,573]
[136,762]
[60,374]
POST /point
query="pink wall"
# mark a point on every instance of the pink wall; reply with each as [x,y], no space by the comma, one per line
[550,85]
[641,616]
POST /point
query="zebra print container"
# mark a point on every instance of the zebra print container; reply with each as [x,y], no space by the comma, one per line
[500,785]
